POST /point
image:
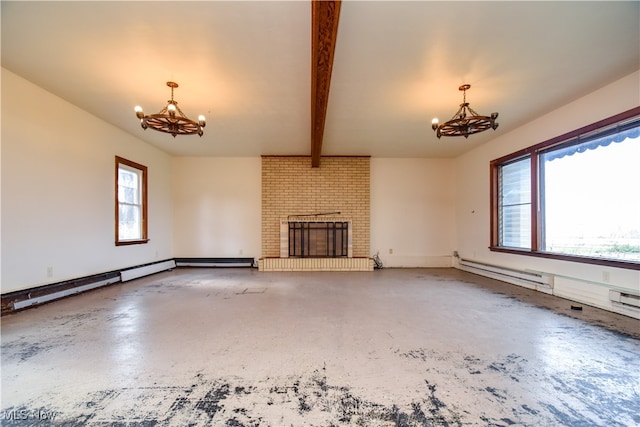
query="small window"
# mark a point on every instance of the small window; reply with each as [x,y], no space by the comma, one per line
[131,202]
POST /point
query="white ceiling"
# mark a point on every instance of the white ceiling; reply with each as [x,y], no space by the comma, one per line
[247,67]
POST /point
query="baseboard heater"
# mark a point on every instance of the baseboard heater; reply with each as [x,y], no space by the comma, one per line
[48,293]
[530,279]
[625,297]
[19,305]
[215,262]
[145,270]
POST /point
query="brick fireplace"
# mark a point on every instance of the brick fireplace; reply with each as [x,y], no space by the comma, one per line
[325,209]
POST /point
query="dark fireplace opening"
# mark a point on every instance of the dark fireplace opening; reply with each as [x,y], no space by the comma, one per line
[318,239]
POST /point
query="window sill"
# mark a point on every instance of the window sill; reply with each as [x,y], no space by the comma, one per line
[630,265]
[132,242]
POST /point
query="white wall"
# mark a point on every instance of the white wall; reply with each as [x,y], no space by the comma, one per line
[58,166]
[580,282]
[216,207]
[413,211]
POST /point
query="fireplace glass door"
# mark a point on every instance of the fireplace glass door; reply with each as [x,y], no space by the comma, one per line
[318,239]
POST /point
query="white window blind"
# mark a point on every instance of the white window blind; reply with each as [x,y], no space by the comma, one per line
[514,204]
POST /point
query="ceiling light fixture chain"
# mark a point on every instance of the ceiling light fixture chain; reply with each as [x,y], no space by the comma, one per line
[171,119]
[465,121]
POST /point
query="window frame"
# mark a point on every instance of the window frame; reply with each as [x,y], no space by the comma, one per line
[144,214]
[534,152]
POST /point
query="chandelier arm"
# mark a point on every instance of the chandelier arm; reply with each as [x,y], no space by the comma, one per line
[458,113]
[472,111]
[180,111]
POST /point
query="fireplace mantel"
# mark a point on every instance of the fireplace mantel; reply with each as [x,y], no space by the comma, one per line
[313,218]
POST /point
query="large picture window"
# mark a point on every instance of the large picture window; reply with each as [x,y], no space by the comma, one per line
[575,197]
[131,202]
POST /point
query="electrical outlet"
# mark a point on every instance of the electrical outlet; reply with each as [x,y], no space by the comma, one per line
[390,251]
[241,251]
[49,272]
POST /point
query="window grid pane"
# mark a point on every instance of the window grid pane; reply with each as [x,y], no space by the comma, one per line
[130,224]
[128,187]
[514,204]
[591,203]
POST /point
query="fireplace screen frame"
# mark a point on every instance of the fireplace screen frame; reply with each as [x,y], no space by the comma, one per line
[318,239]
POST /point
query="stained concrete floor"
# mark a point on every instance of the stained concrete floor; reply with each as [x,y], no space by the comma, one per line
[236,347]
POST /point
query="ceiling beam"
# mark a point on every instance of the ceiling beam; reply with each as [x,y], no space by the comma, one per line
[324,29]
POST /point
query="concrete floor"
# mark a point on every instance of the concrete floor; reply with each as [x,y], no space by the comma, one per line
[236,347]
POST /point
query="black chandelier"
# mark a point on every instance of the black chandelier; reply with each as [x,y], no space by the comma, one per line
[466,121]
[171,119]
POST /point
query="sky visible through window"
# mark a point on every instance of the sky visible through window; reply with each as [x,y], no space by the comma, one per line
[593,202]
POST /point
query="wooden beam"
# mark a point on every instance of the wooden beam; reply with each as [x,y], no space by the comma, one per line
[324,29]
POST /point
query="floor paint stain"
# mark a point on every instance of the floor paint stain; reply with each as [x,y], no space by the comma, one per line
[223,402]
[312,352]
[211,403]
